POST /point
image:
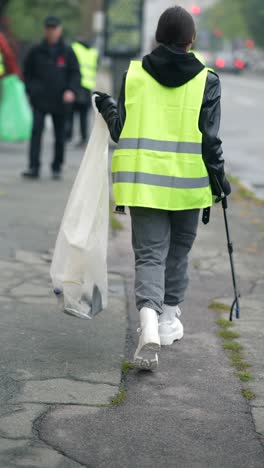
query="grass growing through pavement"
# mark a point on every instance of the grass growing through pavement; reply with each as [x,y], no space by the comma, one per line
[233,346]
[234,349]
[223,323]
[244,376]
[126,367]
[218,306]
[248,394]
[120,397]
[237,361]
[243,192]
[227,334]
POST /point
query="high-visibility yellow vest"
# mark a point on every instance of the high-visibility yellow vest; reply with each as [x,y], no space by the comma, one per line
[2,64]
[87,59]
[199,56]
[158,162]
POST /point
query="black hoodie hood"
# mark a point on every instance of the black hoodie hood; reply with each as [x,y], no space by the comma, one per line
[172,67]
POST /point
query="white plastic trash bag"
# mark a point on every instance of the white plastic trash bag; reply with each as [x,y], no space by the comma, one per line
[79,265]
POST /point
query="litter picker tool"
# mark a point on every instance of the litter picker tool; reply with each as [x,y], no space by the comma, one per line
[235,304]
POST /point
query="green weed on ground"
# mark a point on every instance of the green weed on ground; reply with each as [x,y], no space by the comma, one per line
[227,334]
[243,192]
[234,349]
[237,360]
[248,394]
[120,397]
[244,376]
[126,367]
[223,323]
[218,306]
[233,346]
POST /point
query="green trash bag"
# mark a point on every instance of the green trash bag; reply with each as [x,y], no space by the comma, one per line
[15,111]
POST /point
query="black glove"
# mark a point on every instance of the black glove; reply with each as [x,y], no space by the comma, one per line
[100,98]
[226,187]
[220,186]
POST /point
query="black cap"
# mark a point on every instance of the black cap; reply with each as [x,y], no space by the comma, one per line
[52,22]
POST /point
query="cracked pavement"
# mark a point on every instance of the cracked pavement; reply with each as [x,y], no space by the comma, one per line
[47,359]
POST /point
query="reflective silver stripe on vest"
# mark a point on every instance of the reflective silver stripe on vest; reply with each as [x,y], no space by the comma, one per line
[160,145]
[160,180]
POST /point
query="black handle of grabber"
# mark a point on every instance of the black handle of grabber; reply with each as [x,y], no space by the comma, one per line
[206,215]
[230,252]
[120,210]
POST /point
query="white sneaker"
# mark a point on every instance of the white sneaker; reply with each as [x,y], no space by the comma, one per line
[146,355]
[170,327]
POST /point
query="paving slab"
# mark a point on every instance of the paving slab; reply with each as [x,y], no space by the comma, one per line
[258,417]
[16,421]
[28,289]
[65,391]
[15,454]
[45,354]
[51,344]
[28,257]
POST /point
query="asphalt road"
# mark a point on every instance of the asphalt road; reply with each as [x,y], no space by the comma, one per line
[242,128]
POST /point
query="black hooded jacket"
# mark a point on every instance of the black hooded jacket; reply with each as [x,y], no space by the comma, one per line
[174,67]
[48,72]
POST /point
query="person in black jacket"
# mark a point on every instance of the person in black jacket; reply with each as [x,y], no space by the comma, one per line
[163,238]
[52,79]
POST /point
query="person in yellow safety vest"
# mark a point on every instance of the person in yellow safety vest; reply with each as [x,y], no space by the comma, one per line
[167,166]
[88,59]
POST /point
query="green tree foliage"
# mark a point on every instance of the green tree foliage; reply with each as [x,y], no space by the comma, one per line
[226,16]
[26,16]
[237,18]
[253,12]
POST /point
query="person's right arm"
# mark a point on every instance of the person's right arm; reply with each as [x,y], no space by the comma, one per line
[113,113]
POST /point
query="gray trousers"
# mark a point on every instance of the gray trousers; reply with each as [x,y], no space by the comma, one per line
[161,242]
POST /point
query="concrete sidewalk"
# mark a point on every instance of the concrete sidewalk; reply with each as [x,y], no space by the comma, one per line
[47,359]
[58,373]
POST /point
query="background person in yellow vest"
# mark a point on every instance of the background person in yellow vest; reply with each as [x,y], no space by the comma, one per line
[167,165]
[87,57]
